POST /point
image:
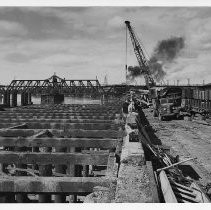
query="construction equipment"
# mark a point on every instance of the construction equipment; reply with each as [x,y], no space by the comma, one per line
[142,60]
[158,108]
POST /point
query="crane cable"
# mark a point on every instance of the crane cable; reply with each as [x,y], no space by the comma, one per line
[126,57]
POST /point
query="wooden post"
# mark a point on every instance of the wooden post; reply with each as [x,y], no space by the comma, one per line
[22,99]
[8,197]
[45,170]
[29,98]
[60,169]
[14,99]
[85,169]
[78,168]
[71,172]
[8,99]
[5,98]
[91,166]
[26,98]
[21,198]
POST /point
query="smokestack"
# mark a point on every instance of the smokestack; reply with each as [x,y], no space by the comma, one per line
[177,82]
[203,82]
[167,82]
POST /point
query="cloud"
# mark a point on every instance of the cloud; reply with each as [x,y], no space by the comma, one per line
[17,57]
[89,41]
[116,22]
[8,28]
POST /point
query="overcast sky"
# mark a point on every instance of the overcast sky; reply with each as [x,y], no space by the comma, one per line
[82,43]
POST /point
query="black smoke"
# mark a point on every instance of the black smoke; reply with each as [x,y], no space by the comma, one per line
[165,52]
[133,72]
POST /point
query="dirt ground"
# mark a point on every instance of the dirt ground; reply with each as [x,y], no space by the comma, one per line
[187,139]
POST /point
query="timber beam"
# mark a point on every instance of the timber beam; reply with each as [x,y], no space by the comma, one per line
[39,125]
[43,158]
[59,120]
[28,132]
[53,185]
[58,142]
[77,133]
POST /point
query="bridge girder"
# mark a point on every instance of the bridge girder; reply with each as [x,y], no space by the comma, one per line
[53,85]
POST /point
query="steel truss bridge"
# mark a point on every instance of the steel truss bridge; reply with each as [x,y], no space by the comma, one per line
[55,84]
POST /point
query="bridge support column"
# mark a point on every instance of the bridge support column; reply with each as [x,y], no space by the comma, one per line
[29,98]
[14,99]
[7,98]
[24,99]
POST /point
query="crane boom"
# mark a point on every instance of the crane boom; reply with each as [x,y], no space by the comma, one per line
[142,61]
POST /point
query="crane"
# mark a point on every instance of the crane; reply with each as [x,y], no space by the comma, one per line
[142,61]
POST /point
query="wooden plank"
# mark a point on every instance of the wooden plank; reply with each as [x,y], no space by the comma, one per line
[168,193]
[200,195]
[55,114]
[94,133]
[186,192]
[47,116]
[59,120]
[14,126]
[41,125]
[28,132]
[186,197]
[39,135]
[69,133]
[85,112]
[180,200]
[95,158]
[52,184]
[37,141]
[152,180]
[180,186]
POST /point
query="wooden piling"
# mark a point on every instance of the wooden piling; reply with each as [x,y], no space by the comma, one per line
[21,198]
[14,99]
[45,170]
[71,172]
[60,169]
[85,168]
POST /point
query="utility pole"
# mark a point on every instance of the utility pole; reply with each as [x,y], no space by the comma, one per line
[126,57]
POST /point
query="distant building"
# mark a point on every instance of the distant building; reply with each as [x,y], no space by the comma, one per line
[105,80]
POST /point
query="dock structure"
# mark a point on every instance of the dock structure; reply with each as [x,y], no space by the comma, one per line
[57,154]
[69,153]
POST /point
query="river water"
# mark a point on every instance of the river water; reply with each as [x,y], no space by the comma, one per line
[70,100]
[67,100]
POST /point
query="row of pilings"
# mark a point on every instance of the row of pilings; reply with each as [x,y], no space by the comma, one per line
[10,98]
